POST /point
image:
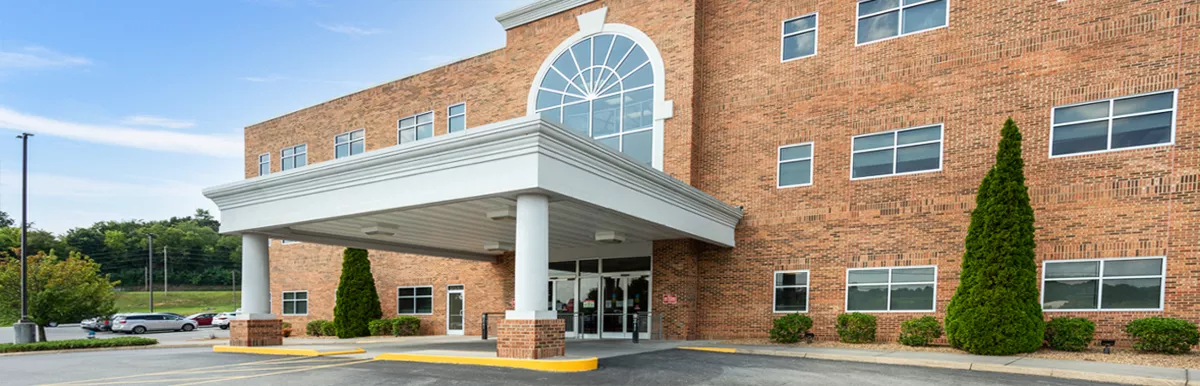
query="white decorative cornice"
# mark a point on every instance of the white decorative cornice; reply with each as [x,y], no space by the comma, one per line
[537,10]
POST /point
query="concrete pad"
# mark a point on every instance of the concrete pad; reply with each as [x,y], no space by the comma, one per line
[1104,368]
[793,354]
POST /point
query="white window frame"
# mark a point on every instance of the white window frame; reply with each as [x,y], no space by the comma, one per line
[452,116]
[416,123]
[1162,276]
[811,164]
[288,242]
[261,163]
[350,142]
[899,23]
[807,291]
[784,35]
[846,303]
[294,155]
[283,307]
[895,135]
[1174,110]
[414,297]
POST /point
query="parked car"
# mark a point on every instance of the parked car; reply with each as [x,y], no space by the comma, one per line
[98,323]
[140,323]
[203,318]
[222,319]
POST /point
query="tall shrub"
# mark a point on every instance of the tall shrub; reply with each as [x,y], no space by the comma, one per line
[357,302]
[995,309]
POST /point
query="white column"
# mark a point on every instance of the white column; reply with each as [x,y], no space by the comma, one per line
[533,258]
[256,278]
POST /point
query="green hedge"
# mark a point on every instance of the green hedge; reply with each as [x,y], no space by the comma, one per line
[920,331]
[77,344]
[1163,335]
[380,327]
[856,327]
[316,327]
[1070,333]
[406,326]
[790,328]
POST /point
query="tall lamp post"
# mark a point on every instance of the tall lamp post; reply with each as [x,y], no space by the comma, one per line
[24,331]
[150,270]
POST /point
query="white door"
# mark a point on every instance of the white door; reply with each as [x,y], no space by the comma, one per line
[455,310]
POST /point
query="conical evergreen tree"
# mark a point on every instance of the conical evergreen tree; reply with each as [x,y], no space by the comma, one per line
[995,310]
[357,300]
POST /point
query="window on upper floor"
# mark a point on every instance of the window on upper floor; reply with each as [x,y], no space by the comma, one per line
[293,157]
[1103,284]
[295,302]
[264,164]
[791,291]
[886,19]
[456,117]
[349,144]
[891,289]
[799,37]
[416,127]
[795,165]
[1130,122]
[897,152]
[414,300]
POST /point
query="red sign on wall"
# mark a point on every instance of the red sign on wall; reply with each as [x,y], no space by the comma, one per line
[669,299]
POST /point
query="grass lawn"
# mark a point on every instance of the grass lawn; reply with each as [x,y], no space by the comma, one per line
[183,302]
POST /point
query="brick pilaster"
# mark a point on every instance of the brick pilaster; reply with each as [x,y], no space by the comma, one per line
[253,333]
[531,339]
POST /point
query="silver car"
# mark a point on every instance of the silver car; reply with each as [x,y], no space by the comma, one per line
[140,323]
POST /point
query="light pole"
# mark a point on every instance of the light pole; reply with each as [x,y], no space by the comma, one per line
[24,331]
[150,267]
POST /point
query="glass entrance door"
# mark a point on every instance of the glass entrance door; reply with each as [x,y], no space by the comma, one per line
[562,300]
[589,320]
[455,308]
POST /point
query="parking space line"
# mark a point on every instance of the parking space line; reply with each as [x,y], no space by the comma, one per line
[343,363]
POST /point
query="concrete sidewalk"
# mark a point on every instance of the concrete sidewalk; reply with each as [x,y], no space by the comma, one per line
[1069,369]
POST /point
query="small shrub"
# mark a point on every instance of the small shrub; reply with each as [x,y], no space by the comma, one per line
[1069,333]
[76,344]
[406,326]
[920,331]
[380,327]
[329,329]
[790,328]
[316,327]
[856,327]
[1163,335]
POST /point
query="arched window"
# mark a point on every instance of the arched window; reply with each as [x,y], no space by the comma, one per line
[603,87]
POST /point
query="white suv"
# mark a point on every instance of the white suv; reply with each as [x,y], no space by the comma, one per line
[140,323]
[222,319]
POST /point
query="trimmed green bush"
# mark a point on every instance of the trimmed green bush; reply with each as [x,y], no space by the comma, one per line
[1070,333]
[790,328]
[856,327]
[380,327]
[920,331]
[315,327]
[357,302]
[77,344]
[406,326]
[996,309]
[328,329]
[1163,335]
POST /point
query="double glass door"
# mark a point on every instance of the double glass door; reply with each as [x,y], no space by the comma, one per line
[599,298]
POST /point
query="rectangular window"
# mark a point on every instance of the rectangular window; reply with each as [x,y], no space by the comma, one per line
[416,127]
[791,291]
[264,164]
[799,37]
[795,165]
[1123,284]
[286,242]
[295,302]
[886,19]
[903,289]
[414,300]
[897,152]
[349,144]
[456,117]
[1113,124]
[294,157]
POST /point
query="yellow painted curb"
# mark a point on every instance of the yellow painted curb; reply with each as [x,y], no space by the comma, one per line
[710,349]
[560,366]
[304,352]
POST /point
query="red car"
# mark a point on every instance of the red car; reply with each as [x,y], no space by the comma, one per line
[203,318]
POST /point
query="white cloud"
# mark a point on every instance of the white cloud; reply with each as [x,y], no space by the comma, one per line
[158,140]
[35,57]
[153,121]
[351,30]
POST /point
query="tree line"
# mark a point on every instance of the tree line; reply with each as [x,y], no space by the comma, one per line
[196,254]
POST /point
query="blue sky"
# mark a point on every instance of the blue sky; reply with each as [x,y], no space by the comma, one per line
[138,105]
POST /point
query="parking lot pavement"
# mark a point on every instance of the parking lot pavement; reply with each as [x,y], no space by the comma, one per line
[671,367]
[164,337]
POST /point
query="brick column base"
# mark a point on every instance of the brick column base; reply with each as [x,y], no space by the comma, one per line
[531,339]
[252,333]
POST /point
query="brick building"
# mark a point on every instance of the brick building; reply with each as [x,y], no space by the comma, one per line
[745,159]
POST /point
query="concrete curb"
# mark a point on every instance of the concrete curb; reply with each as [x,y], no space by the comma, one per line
[304,352]
[972,366]
[550,365]
[153,346]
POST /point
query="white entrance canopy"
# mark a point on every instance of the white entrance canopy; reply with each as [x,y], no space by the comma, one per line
[433,197]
